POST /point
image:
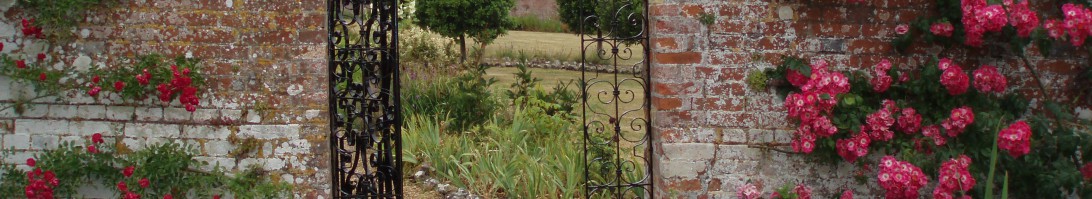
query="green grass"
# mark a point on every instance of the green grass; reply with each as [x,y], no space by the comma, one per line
[553,46]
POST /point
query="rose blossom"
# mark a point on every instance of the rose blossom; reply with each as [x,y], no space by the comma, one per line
[958,121]
[41,76]
[902,29]
[128,171]
[748,191]
[92,149]
[144,182]
[848,194]
[953,177]
[30,162]
[933,131]
[94,91]
[1054,29]
[21,64]
[1016,139]
[954,80]
[880,80]
[987,79]
[1024,19]
[900,179]
[96,138]
[943,29]
[802,192]
[909,121]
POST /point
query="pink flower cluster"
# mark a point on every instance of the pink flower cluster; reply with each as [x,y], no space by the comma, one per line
[852,148]
[1078,23]
[802,192]
[1016,139]
[958,121]
[180,83]
[933,131]
[943,29]
[748,191]
[900,179]
[909,121]
[848,194]
[980,18]
[796,78]
[954,177]
[987,79]
[878,124]
[880,80]
[1024,19]
[953,78]
[40,184]
[813,104]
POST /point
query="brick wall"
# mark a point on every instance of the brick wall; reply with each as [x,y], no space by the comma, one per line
[265,61]
[705,116]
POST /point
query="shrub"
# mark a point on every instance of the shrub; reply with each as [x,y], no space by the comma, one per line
[466,99]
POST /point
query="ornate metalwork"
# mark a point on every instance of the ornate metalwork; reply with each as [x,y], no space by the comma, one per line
[616,103]
[365,135]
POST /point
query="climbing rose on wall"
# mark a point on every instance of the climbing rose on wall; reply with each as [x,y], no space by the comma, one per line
[1078,20]
[943,29]
[958,121]
[40,184]
[855,147]
[813,103]
[954,177]
[900,179]
[878,124]
[880,80]
[909,121]
[954,79]
[1024,19]
[1016,139]
[933,131]
[848,194]
[987,79]
[802,192]
[748,191]
[980,18]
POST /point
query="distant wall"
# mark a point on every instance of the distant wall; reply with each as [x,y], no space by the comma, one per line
[266,64]
[543,9]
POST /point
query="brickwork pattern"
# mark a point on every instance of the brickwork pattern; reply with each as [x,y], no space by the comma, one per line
[705,116]
[266,64]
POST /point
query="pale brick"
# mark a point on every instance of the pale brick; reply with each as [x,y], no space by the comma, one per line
[267,149]
[149,114]
[91,112]
[682,169]
[290,131]
[134,143]
[254,117]
[176,114]
[36,110]
[18,158]
[248,162]
[73,139]
[273,164]
[40,127]
[63,111]
[120,112]
[218,148]
[17,141]
[86,128]
[224,163]
[40,142]
[232,114]
[153,130]
[688,151]
[205,132]
[7,113]
[205,115]
[293,147]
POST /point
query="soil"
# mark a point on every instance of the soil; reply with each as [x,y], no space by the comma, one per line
[414,190]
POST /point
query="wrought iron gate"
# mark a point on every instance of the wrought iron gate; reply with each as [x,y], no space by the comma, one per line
[616,101]
[365,134]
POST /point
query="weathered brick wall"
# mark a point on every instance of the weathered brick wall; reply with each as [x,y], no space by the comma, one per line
[265,61]
[705,116]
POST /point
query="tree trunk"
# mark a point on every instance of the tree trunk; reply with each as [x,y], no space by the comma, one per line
[462,48]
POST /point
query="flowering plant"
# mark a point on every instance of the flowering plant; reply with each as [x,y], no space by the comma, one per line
[931,123]
[157,171]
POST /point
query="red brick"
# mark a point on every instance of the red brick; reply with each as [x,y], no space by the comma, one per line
[666,103]
[678,58]
[692,10]
[664,10]
[659,43]
[669,89]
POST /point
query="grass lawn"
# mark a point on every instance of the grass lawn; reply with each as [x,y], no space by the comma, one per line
[549,46]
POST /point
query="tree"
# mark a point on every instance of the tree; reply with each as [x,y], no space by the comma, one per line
[481,20]
[613,17]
